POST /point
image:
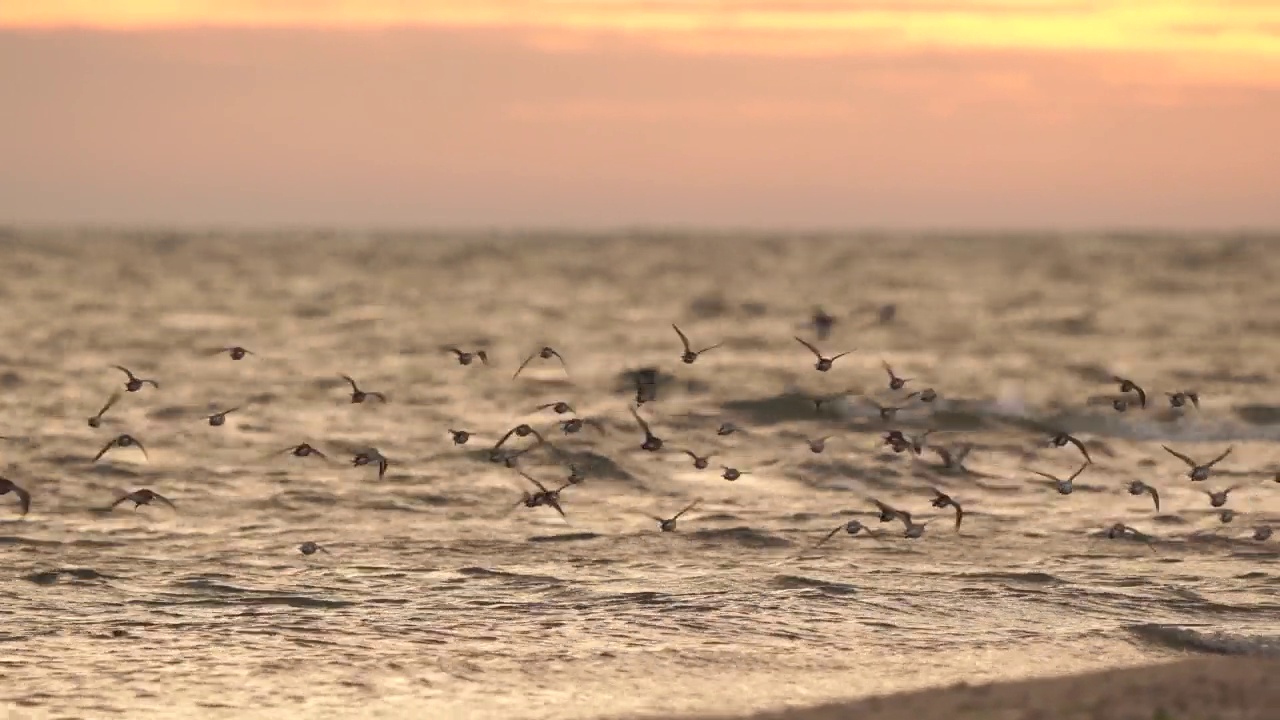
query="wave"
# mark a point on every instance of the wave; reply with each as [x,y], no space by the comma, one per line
[1215,643]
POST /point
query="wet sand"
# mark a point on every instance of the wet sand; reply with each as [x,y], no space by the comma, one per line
[441,597]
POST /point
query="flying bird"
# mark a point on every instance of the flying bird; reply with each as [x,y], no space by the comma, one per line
[546,353]
[132,382]
[142,497]
[121,441]
[235,351]
[1137,487]
[1198,472]
[357,395]
[942,500]
[24,498]
[895,382]
[96,420]
[824,363]
[669,524]
[652,442]
[466,358]
[689,356]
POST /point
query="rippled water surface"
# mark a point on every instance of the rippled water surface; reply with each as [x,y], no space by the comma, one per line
[439,597]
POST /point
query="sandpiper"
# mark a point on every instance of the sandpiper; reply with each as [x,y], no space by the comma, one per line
[132,382]
[357,395]
[546,353]
[689,356]
[824,363]
[121,441]
[669,524]
[1137,487]
[1198,472]
[142,497]
[96,420]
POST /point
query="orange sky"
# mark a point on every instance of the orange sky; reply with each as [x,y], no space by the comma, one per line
[853,112]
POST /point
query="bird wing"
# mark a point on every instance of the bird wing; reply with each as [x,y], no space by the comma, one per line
[1155,496]
[687,508]
[1190,463]
[115,396]
[829,535]
[1080,446]
[809,345]
[523,364]
[1221,457]
[163,499]
[683,340]
[354,387]
[24,497]
[110,444]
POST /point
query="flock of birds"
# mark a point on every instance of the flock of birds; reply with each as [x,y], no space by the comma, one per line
[1130,396]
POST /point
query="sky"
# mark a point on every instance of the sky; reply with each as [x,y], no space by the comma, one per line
[603,113]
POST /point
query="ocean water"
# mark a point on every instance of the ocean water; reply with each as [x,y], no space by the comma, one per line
[441,595]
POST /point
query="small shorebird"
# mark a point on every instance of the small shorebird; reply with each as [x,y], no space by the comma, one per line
[942,500]
[817,445]
[142,497]
[546,353]
[302,450]
[1137,487]
[558,407]
[652,442]
[235,351]
[575,425]
[1182,397]
[1219,498]
[24,498]
[220,418]
[1061,439]
[926,395]
[953,460]
[460,437]
[895,382]
[1120,531]
[897,441]
[1198,472]
[357,395]
[689,356]
[1226,515]
[1128,386]
[96,420]
[466,358]
[887,513]
[371,456]
[822,323]
[121,441]
[522,430]
[918,442]
[728,428]
[669,524]
[887,412]
[853,527]
[311,548]
[914,530]
[824,363]
[549,498]
[732,474]
[700,462]
[1064,487]
[1262,533]
[132,382]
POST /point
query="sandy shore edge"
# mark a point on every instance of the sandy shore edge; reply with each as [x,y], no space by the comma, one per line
[1216,688]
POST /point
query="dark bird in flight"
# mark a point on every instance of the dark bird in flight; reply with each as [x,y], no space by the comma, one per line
[220,418]
[1061,439]
[669,524]
[817,445]
[460,437]
[546,353]
[689,356]
[700,462]
[1219,498]
[121,441]
[466,358]
[853,527]
[887,512]
[732,474]
[1262,533]
[549,498]
[926,395]
[96,420]
[575,425]
[887,412]
[142,497]
[942,500]
[371,456]
[1120,531]
[558,407]
[953,460]
[1064,487]
[895,382]
[24,498]
[824,363]
[1137,487]
[357,395]
[235,351]
[132,382]
[1182,397]
[1129,386]
[652,442]
[522,430]
[302,450]
[1198,472]
[311,548]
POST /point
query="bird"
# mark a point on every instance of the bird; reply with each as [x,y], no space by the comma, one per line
[575,425]
[302,450]
[728,428]
[1198,472]
[369,456]
[1137,487]
[466,358]
[558,407]
[96,420]
[550,498]
[1064,487]
[669,524]
[142,497]
[732,474]
[887,412]
[220,418]
[689,356]
[1226,515]
[822,323]
[927,395]
[546,353]
[1262,533]
[1129,386]
[1120,531]
[700,462]
[1182,397]
[913,530]
[895,382]
[132,382]
[310,548]
[1219,498]
[24,498]
[897,441]
[918,442]
[521,430]
[235,351]
[357,395]
[824,363]
[652,442]
[953,460]
[121,441]
[887,512]
[817,445]
[1060,439]
[942,500]
[460,437]
[852,527]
